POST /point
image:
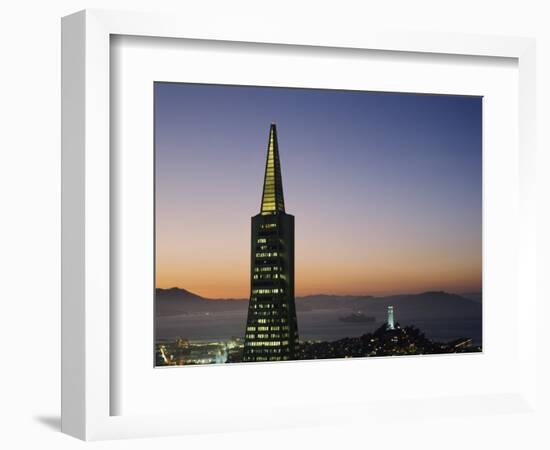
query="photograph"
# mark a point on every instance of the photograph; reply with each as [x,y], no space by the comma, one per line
[298,224]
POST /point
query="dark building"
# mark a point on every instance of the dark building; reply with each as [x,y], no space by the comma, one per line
[272,327]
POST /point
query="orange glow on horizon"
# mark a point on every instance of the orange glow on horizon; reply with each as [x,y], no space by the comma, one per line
[231,278]
[382,263]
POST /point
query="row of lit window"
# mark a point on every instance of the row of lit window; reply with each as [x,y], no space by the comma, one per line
[265,358]
[267,336]
[270,188]
[270,246]
[280,320]
[266,226]
[268,202]
[271,328]
[273,239]
[264,306]
[265,351]
[268,291]
[266,254]
[266,343]
[258,328]
[267,247]
[267,276]
[264,313]
[267,269]
[264,299]
[266,303]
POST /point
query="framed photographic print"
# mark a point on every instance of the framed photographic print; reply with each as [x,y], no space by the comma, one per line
[332,224]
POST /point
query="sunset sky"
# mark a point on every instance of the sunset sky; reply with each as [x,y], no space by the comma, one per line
[386,188]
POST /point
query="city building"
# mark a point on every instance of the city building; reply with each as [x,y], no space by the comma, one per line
[391,324]
[272,328]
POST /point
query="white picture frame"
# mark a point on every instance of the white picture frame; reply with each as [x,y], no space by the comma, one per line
[86,204]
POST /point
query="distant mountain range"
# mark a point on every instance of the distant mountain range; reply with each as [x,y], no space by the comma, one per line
[435,304]
[174,301]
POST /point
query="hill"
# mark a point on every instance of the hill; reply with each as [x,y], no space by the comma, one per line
[433,304]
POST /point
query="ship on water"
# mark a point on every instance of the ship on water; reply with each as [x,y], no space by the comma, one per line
[357,317]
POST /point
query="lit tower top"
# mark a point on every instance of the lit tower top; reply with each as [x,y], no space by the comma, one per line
[273,201]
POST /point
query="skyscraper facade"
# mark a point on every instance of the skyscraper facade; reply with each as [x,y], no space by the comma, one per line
[272,327]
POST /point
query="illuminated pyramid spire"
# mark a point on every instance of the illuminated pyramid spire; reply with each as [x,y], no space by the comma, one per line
[272,199]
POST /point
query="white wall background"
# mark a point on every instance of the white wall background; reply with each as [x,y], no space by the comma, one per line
[29,221]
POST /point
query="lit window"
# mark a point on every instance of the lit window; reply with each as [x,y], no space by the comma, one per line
[266,254]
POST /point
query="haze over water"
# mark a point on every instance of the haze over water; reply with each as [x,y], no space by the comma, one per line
[316,325]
